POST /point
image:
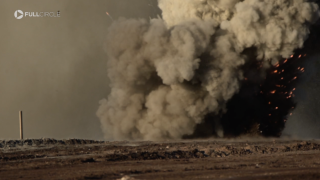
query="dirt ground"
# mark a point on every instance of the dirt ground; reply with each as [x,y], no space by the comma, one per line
[187,159]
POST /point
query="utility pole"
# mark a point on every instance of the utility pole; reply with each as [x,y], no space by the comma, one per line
[21,125]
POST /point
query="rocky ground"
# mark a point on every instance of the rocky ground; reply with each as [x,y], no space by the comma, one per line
[187,159]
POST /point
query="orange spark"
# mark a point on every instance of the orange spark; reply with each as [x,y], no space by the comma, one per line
[276,108]
[109,16]
[272,92]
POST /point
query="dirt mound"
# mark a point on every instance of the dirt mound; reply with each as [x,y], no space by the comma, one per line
[157,155]
[45,142]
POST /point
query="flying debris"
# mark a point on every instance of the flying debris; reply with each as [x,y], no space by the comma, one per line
[109,16]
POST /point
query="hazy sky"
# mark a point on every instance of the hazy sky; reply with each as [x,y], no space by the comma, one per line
[54,68]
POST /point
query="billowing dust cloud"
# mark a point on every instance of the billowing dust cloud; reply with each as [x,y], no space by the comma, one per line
[168,74]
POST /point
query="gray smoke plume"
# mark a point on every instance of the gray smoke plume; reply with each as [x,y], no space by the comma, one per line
[168,74]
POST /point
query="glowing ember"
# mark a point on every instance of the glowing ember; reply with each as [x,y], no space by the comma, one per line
[109,16]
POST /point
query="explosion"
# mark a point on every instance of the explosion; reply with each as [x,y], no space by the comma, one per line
[270,107]
[209,67]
